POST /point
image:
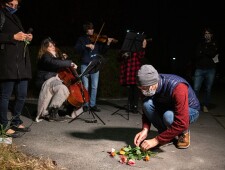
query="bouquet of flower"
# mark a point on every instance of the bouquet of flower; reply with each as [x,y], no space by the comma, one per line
[128,154]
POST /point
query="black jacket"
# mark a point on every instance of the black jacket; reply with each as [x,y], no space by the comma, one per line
[48,66]
[205,54]
[87,54]
[14,61]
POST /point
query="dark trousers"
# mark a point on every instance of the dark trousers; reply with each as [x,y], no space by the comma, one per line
[6,89]
[133,96]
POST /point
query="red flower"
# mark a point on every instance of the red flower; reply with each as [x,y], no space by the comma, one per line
[131,162]
[123,159]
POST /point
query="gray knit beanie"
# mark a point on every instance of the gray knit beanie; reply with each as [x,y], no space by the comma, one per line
[147,76]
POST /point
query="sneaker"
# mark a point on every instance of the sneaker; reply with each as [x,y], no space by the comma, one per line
[95,109]
[205,109]
[85,108]
[184,140]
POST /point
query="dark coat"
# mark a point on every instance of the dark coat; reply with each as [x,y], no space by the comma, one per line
[48,66]
[205,54]
[15,63]
[87,54]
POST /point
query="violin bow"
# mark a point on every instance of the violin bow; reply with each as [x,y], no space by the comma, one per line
[99,33]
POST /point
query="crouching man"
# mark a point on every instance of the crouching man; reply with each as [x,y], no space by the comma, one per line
[170,104]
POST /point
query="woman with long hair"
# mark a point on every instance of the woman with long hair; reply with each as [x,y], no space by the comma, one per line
[53,93]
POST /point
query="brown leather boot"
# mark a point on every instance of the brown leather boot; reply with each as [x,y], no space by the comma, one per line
[184,140]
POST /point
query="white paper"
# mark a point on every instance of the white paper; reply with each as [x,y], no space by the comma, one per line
[216,58]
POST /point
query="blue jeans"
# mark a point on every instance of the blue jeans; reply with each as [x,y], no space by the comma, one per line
[207,77]
[163,119]
[94,78]
[6,89]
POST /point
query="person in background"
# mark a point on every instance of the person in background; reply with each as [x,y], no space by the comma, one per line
[53,93]
[170,104]
[130,63]
[205,66]
[15,67]
[90,50]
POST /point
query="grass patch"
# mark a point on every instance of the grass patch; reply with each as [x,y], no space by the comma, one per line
[12,158]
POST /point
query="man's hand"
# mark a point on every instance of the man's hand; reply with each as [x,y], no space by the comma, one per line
[140,137]
[150,143]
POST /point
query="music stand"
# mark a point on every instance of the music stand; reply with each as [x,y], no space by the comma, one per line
[94,66]
[132,43]
[126,108]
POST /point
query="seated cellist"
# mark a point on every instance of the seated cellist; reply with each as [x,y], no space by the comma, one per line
[53,93]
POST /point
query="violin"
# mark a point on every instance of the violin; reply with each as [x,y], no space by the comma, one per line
[101,38]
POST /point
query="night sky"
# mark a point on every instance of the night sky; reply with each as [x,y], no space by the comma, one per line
[174,25]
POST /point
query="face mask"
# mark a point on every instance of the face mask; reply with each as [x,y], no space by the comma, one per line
[11,10]
[148,92]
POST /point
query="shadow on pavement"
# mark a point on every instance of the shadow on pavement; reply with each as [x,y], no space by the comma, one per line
[110,133]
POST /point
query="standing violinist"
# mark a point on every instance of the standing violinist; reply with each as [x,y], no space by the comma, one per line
[89,50]
[53,93]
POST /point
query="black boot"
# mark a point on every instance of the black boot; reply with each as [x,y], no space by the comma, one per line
[54,116]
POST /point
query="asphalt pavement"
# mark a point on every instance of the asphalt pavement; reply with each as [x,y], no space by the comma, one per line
[81,145]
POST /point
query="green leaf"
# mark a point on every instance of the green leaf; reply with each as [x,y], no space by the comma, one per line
[138,152]
[126,149]
[131,154]
[134,157]
[139,157]
[27,42]
[137,147]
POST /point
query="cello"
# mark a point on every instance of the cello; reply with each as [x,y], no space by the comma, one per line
[78,94]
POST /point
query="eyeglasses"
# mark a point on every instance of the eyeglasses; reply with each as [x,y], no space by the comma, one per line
[14,6]
[144,87]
